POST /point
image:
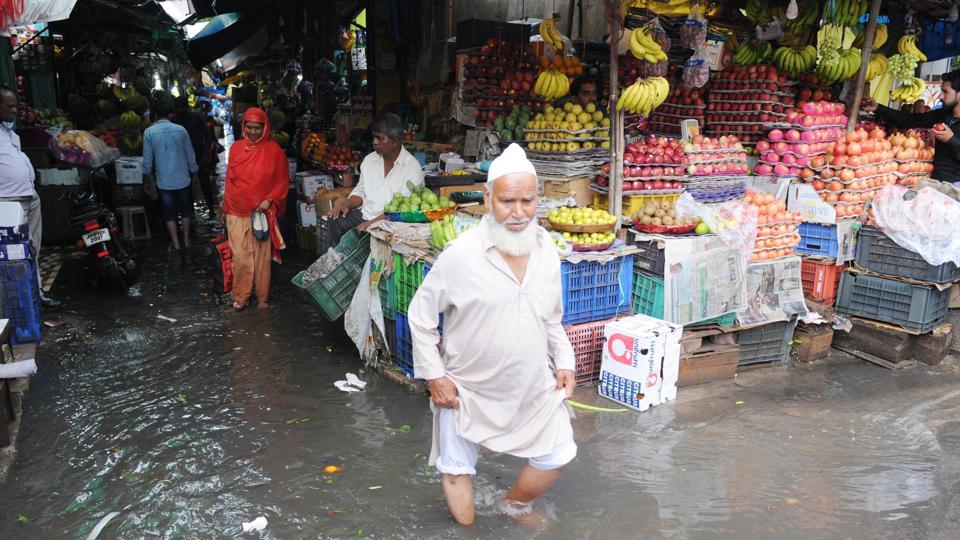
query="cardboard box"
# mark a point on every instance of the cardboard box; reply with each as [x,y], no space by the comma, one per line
[324,199]
[955,296]
[306,214]
[640,363]
[11,214]
[307,185]
[17,251]
[561,188]
[60,177]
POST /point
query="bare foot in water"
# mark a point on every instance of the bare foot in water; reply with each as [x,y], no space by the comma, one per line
[237,306]
[262,305]
[524,514]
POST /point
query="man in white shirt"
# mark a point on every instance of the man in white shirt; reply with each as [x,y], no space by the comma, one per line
[385,171]
[501,374]
[17,176]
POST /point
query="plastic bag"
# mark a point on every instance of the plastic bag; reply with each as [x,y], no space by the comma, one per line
[925,224]
[735,222]
[322,266]
[693,33]
[696,72]
[660,35]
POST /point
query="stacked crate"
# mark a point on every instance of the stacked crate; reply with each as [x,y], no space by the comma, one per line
[896,286]
[593,294]
[398,292]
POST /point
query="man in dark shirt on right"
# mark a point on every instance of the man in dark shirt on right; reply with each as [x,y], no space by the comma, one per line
[946,160]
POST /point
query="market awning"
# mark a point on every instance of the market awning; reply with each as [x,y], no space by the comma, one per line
[227,33]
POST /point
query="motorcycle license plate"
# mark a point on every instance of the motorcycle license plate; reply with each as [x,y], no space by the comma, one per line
[95,237]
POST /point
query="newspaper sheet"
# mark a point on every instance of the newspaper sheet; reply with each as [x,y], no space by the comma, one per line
[703,279]
[774,292]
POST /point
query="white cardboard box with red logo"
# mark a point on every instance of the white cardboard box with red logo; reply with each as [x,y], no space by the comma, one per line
[641,361]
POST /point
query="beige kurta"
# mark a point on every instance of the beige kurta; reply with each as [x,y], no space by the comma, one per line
[502,341]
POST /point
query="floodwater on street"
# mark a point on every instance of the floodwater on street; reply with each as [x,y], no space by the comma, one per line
[187,428]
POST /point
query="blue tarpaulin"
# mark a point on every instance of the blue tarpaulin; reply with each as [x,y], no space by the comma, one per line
[934,40]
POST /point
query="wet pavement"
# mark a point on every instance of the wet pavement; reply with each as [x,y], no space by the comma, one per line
[188,428]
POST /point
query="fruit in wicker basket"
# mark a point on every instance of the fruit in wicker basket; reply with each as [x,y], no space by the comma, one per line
[661,215]
[581,216]
[589,238]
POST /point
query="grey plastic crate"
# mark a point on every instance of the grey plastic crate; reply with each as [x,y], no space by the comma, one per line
[767,343]
[877,252]
[916,308]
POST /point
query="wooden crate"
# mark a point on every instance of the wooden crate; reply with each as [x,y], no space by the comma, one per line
[892,344]
[711,362]
[561,188]
[954,296]
[812,342]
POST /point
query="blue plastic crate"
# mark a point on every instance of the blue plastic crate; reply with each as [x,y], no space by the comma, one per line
[593,291]
[20,292]
[403,346]
[817,239]
[403,354]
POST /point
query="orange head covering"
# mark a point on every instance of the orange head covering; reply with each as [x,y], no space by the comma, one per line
[259,116]
[257,171]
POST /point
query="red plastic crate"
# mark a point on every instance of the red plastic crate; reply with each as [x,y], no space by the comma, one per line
[587,340]
[821,280]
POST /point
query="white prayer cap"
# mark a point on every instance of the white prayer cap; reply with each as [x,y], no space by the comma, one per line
[513,160]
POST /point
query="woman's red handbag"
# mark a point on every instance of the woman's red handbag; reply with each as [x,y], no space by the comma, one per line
[221,262]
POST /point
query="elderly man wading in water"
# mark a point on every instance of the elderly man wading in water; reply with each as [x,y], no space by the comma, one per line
[500,375]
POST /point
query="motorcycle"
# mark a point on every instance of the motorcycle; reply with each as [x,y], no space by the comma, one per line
[113,256]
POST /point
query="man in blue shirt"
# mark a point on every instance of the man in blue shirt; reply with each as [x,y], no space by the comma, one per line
[168,159]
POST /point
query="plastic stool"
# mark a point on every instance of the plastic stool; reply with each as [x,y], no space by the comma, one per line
[128,223]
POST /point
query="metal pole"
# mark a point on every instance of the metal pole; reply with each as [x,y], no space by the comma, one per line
[615,195]
[570,18]
[868,34]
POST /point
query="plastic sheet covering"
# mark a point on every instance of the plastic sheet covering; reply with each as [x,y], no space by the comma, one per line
[923,221]
[735,222]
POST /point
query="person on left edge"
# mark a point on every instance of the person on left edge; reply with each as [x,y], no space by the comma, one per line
[501,374]
[202,141]
[167,148]
[258,179]
[17,178]
[384,172]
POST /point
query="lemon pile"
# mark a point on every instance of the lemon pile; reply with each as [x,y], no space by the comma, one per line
[581,216]
[589,238]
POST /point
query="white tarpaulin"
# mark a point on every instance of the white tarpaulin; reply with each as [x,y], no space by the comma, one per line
[40,11]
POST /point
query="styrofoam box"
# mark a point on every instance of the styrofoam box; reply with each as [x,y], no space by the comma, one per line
[129,170]
[60,177]
[640,364]
[306,214]
[308,185]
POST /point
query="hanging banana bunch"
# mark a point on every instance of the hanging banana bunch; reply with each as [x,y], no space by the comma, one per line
[551,84]
[550,34]
[643,47]
[644,96]
[908,45]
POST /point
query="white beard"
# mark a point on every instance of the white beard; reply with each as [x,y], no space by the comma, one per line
[515,244]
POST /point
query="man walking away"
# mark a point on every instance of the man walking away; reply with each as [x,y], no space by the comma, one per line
[202,141]
[17,178]
[168,160]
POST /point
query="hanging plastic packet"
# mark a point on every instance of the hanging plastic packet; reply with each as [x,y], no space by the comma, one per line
[696,72]
[660,35]
[693,33]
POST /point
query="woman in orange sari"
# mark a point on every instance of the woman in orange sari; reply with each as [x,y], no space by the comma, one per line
[257,180]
